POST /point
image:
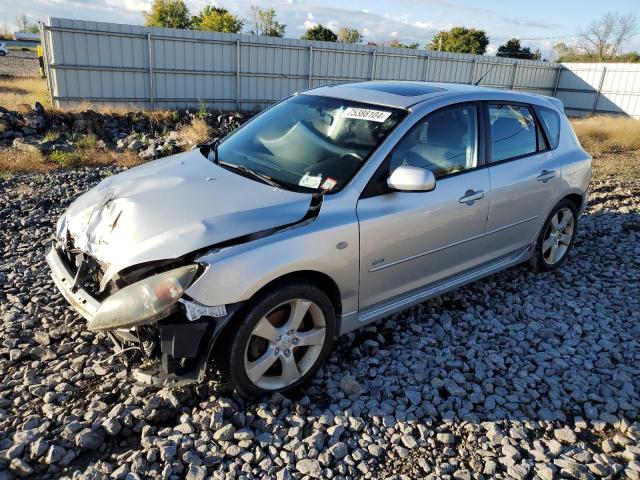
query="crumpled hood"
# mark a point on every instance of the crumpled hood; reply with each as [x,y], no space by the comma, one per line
[171,207]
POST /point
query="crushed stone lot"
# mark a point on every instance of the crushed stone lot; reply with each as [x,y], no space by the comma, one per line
[20,63]
[521,375]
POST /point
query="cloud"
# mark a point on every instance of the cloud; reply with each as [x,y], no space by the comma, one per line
[130,5]
[309,24]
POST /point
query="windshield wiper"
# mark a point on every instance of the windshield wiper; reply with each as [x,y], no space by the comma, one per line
[260,176]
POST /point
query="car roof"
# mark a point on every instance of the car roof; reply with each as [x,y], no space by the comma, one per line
[404,94]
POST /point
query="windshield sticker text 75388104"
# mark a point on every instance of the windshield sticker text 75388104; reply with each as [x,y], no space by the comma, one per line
[366,114]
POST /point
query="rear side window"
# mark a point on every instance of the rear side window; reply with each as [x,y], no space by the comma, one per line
[513,132]
[551,122]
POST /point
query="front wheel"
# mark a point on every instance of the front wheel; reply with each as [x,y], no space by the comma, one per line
[556,237]
[282,337]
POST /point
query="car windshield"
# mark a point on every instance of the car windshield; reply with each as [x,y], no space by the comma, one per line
[309,143]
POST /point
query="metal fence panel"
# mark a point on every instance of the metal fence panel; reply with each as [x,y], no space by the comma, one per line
[144,67]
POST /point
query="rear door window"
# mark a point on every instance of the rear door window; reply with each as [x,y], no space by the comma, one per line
[551,122]
[513,132]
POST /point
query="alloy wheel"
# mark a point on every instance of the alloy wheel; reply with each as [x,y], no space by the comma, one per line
[558,235]
[285,344]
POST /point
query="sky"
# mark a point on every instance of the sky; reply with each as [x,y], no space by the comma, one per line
[539,24]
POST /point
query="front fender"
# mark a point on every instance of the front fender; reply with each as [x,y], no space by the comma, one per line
[234,274]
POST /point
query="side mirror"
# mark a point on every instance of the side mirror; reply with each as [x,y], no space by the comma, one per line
[411,179]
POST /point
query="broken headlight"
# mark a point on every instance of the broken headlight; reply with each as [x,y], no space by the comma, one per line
[143,302]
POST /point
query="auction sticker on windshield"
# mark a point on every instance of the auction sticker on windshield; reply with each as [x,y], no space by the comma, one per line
[366,114]
[310,181]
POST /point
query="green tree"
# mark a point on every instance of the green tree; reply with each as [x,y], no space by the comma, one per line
[216,19]
[318,32]
[349,35]
[32,28]
[168,14]
[395,43]
[512,49]
[460,40]
[264,23]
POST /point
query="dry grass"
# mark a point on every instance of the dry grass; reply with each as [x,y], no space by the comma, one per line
[614,143]
[24,90]
[198,131]
[602,134]
[18,161]
[624,165]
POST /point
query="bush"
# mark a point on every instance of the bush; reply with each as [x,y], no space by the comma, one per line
[86,142]
[65,159]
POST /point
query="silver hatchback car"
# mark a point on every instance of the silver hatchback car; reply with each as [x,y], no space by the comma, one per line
[330,210]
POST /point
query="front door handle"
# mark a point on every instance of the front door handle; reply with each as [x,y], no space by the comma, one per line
[546,175]
[470,197]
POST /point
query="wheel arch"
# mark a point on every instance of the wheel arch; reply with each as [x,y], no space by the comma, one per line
[319,279]
[575,198]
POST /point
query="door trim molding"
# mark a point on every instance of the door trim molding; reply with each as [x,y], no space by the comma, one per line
[435,290]
[418,255]
[444,247]
[519,222]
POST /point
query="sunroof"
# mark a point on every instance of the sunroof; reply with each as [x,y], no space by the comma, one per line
[406,89]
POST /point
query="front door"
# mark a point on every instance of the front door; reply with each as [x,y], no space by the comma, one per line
[412,239]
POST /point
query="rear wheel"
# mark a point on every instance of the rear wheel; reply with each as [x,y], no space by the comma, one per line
[282,337]
[556,237]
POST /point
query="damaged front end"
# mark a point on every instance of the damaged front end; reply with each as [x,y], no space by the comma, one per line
[126,251]
[144,309]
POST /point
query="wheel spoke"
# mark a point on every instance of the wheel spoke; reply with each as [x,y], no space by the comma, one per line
[552,253]
[257,368]
[564,238]
[290,371]
[566,218]
[547,244]
[264,329]
[312,337]
[554,222]
[299,309]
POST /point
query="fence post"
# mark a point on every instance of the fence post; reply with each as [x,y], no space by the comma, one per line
[473,71]
[555,87]
[45,59]
[151,87]
[513,75]
[595,101]
[427,64]
[310,83]
[373,64]
[238,74]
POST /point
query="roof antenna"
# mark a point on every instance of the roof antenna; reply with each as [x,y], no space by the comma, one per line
[486,73]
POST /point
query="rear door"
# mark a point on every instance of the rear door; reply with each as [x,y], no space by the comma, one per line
[522,177]
[412,239]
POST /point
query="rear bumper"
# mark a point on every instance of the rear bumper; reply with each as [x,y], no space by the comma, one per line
[79,299]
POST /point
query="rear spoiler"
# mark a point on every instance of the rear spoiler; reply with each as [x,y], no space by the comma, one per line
[557,102]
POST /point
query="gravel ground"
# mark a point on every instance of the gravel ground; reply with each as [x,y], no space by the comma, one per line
[520,376]
[20,64]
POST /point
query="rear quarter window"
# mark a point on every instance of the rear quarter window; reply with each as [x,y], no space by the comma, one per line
[551,123]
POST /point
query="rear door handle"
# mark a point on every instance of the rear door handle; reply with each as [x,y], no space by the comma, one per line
[546,175]
[470,197]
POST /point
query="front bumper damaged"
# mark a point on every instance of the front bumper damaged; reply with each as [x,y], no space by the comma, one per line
[177,348]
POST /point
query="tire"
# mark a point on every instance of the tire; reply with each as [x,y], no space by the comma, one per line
[265,352]
[553,244]
[2,54]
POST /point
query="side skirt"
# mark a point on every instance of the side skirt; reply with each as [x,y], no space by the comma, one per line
[370,315]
